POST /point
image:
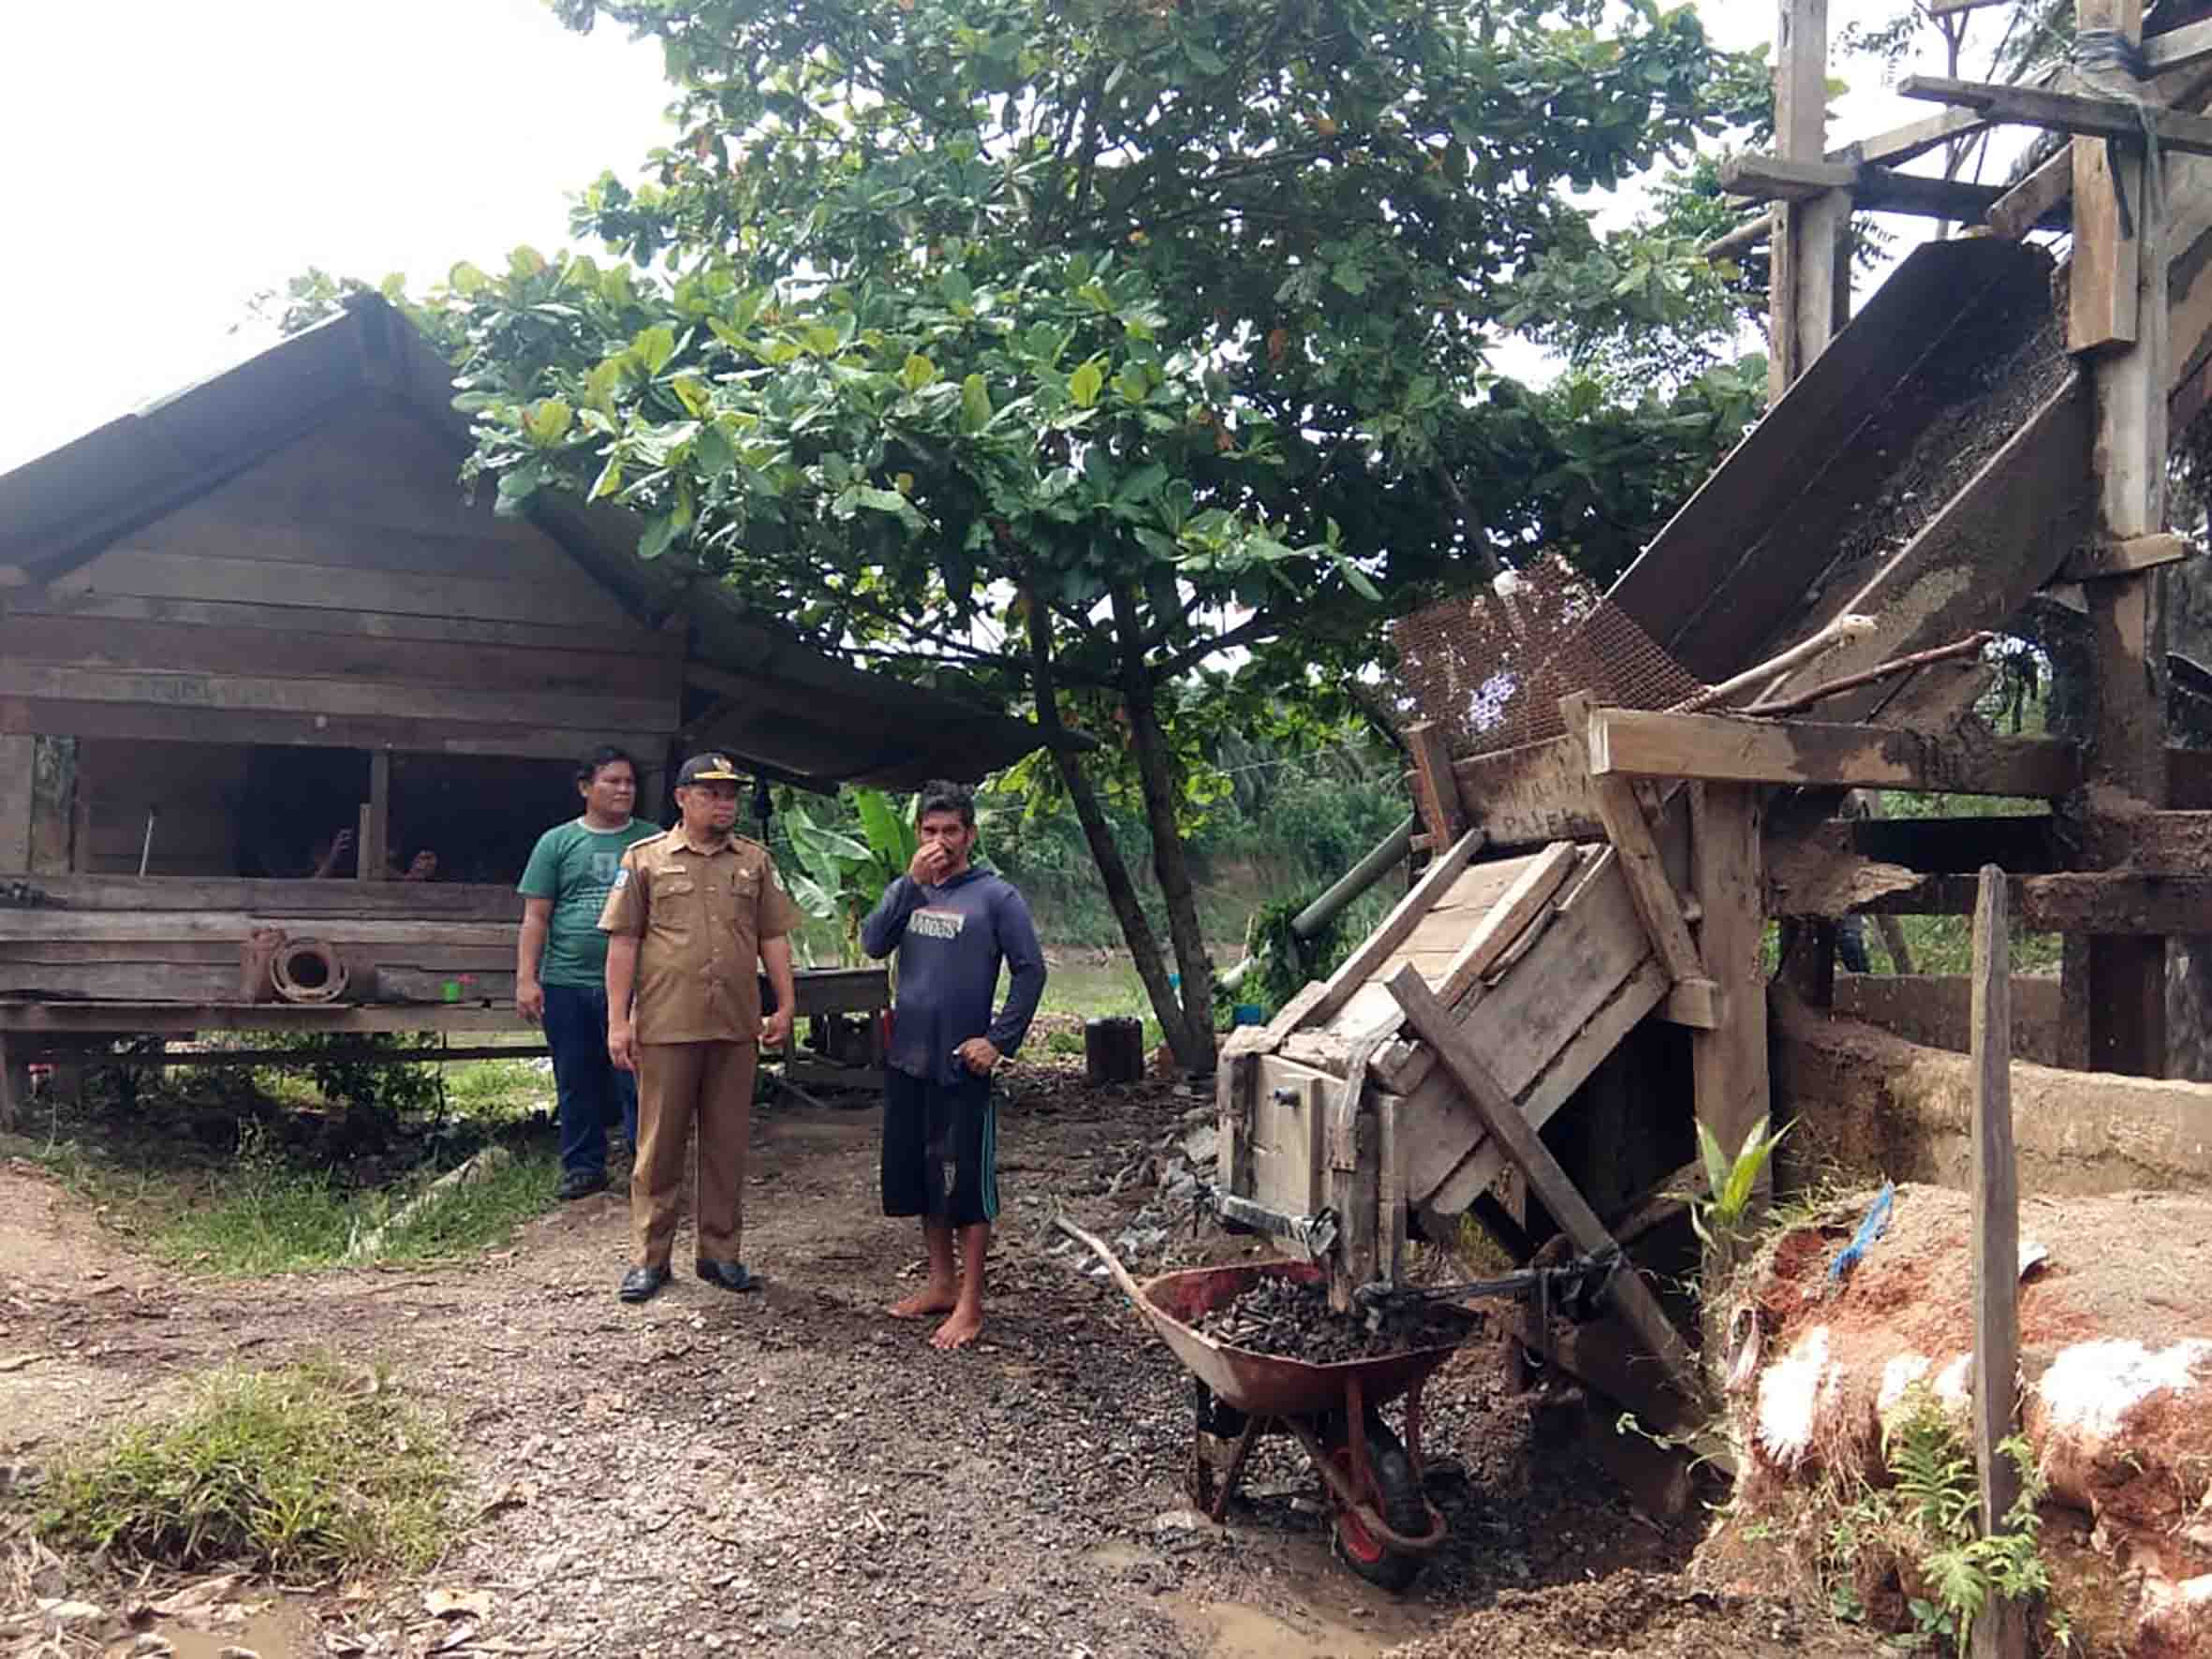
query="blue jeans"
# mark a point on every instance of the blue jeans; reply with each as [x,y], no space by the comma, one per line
[591,1090]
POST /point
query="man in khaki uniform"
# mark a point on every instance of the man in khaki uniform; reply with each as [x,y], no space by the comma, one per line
[693,916]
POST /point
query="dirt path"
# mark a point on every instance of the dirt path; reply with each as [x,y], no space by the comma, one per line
[793,1472]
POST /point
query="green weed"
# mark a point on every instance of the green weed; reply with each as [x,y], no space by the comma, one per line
[1928,1519]
[270,1214]
[307,1471]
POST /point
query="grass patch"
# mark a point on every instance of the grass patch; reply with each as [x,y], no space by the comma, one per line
[498,1091]
[307,1471]
[270,1214]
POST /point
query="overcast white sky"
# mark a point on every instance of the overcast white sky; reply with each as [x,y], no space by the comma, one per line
[166,161]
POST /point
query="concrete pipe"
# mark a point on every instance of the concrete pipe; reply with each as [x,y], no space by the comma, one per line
[308,971]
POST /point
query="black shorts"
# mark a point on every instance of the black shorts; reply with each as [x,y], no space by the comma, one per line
[940,1149]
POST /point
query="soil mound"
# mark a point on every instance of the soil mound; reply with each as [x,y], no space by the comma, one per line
[2115,1332]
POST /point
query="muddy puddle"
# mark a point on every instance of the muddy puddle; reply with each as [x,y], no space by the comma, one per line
[274,1633]
[1236,1630]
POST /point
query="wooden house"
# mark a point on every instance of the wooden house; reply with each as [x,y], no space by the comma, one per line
[261,611]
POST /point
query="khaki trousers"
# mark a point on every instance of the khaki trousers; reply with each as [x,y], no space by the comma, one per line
[679,1084]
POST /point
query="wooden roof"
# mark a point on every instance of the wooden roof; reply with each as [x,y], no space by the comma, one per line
[751,688]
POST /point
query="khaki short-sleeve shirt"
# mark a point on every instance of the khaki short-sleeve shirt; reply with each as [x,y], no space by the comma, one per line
[700,915]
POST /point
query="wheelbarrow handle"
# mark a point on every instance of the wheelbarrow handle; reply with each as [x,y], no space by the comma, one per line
[1099,1248]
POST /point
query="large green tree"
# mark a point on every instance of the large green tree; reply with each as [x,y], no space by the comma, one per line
[1117,357]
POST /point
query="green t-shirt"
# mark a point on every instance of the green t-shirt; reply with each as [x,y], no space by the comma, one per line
[574,866]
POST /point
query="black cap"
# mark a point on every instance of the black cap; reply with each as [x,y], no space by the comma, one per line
[707,769]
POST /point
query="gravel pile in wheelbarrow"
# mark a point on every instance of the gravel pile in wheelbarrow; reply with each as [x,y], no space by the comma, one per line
[1288,1320]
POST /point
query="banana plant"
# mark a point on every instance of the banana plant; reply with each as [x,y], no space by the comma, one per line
[841,877]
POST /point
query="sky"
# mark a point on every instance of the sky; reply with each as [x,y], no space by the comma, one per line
[168,162]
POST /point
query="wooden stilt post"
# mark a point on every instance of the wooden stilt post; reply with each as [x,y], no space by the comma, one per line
[15,1082]
[17,783]
[2118,315]
[2001,1631]
[1810,285]
[373,845]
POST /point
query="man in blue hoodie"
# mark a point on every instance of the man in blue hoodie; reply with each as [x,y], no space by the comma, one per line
[952,923]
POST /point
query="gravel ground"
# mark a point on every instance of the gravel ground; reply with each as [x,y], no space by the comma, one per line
[794,1474]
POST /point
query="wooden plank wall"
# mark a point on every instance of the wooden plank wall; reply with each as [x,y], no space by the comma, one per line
[339,593]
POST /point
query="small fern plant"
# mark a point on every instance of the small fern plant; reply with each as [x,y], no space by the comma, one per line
[1938,1498]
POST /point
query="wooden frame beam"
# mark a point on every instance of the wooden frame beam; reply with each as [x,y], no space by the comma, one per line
[1913,139]
[2179,49]
[2125,558]
[1873,189]
[1658,907]
[1551,1184]
[2066,112]
[2117,902]
[1434,789]
[2034,201]
[1726,748]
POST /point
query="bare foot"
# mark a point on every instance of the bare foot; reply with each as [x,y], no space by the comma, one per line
[930,1299]
[961,1328]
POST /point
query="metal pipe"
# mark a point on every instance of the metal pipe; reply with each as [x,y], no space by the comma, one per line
[1355,881]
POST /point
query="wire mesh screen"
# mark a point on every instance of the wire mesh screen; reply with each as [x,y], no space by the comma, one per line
[1490,667]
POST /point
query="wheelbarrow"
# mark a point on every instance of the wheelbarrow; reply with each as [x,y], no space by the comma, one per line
[1385,1527]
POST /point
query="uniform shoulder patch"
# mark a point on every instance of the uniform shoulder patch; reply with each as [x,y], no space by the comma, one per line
[621,878]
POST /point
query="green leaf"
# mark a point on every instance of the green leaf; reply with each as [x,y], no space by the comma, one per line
[609,481]
[1715,1162]
[890,828]
[712,454]
[1085,384]
[975,404]
[692,393]
[918,372]
[959,292]
[1357,579]
[655,346]
[547,422]
[883,501]
[658,534]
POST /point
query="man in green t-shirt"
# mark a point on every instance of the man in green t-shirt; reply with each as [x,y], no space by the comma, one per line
[561,963]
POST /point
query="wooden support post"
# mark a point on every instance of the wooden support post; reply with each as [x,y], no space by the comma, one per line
[1389,1192]
[1657,904]
[1437,790]
[17,783]
[1810,285]
[372,849]
[2120,312]
[2001,1631]
[1526,1151]
[15,1082]
[2103,290]
[1727,1063]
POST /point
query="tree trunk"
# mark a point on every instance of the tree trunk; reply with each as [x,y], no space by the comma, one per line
[1121,892]
[1169,861]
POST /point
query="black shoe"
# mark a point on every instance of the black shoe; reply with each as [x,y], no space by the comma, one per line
[729,1275]
[640,1284]
[581,1184]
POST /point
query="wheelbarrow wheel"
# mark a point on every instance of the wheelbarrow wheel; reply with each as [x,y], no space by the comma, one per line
[1398,1498]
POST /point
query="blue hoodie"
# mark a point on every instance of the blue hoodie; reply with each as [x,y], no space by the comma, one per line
[951,940]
